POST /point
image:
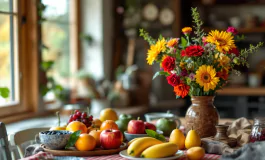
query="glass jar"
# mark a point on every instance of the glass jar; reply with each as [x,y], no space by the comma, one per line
[258,130]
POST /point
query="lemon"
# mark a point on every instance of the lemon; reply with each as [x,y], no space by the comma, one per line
[195,153]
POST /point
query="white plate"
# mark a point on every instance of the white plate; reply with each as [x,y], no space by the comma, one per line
[125,155]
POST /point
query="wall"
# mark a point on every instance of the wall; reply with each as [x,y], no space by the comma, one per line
[97,22]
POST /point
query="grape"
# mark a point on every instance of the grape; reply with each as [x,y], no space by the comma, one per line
[75,117]
[76,111]
[84,121]
[90,118]
[78,114]
[84,115]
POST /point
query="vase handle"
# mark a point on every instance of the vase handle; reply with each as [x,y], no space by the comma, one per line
[177,119]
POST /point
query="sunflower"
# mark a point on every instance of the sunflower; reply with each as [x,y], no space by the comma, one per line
[222,40]
[206,77]
[156,49]
[222,59]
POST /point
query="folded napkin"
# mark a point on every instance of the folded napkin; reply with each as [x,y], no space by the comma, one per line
[33,149]
[251,151]
[238,129]
[40,156]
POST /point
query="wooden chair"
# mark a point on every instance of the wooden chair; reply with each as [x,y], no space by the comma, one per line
[4,144]
[24,136]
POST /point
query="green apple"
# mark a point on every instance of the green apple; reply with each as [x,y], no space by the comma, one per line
[123,121]
[166,125]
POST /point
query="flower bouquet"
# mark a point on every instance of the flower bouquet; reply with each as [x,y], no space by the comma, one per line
[198,64]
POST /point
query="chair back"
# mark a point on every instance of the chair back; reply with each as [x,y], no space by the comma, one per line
[27,135]
[4,144]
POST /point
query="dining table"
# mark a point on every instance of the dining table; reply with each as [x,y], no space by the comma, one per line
[118,157]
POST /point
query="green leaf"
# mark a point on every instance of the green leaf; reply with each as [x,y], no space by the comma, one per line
[198,91]
[4,92]
[184,42]
[46,65]
[73,138]
[160,73]
[155,135]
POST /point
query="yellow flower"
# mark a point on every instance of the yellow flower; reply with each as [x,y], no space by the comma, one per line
[222,40]
[186,30]
[222,59]
[173,42]
[156,49]
[182,65]
[206,77]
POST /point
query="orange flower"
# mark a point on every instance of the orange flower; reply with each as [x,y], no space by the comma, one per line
[223,74]
[186,30]
[172,42]
[182,90]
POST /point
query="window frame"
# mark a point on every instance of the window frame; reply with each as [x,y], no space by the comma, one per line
[29,35]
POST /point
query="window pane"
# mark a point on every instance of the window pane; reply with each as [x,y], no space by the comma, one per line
[4,5]
[57,10]
[56,37]
[5,65]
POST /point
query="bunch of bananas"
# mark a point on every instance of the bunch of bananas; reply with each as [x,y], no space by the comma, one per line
[148,147]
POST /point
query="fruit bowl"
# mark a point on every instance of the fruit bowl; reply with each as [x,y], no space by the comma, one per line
[53,139]
[130,136]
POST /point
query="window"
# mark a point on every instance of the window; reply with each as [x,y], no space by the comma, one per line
[58,42]
[8,51]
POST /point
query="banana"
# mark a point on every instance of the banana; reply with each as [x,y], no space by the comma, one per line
[160,150]
[130,142]
[139,145]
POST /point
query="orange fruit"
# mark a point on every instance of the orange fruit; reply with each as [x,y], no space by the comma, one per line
[195,153]
[85,142]
[75,126]
[96,135]
[109,124]
[97,123]
[91,128]
[108,114]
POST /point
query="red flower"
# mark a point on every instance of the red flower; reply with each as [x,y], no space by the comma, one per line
[173,80]
[223,74]
[182,90]
[168,64]
[194,50]
[235,51]
[232,30]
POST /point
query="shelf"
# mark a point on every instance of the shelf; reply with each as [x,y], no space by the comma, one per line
[240,30]
[242,91]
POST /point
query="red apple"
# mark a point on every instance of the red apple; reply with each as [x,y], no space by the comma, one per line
[111,139]
[136,127]
[150,126]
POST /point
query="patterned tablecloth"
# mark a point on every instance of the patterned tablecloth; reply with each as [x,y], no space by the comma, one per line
[118,157]
[43,155]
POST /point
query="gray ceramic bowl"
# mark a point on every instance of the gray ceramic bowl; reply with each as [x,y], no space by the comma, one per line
[130,136]
[54,141]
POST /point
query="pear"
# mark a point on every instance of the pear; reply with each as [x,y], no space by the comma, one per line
[192,139]
[178,138]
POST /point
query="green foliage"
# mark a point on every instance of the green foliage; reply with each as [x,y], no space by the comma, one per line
[88,38]
[41,8]
[198,24]
[245,52]
[147,37]
[184,42]
[4,92]
[47,65]
[73,138]
[155,135]
[160,73]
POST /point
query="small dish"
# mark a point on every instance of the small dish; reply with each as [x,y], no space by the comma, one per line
[176,156]
[130,136]
[53,139]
